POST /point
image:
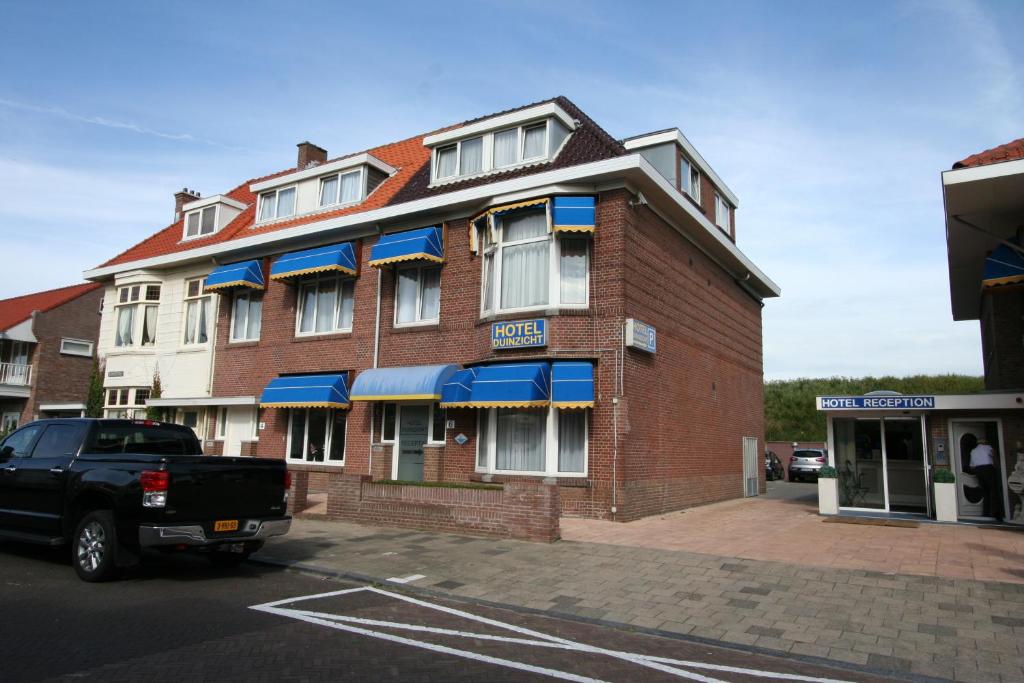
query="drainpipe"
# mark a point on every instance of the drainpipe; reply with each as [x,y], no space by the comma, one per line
[376,350]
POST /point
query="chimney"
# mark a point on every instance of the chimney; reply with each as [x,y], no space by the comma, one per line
[310,155]
[181,199]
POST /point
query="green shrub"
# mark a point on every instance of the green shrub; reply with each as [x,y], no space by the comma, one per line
[828,472]
[944,477]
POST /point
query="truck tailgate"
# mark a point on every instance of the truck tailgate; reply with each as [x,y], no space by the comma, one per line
[207,488]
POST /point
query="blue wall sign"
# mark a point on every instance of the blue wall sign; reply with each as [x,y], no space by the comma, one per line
[641,336]
[877,402]
[519,334]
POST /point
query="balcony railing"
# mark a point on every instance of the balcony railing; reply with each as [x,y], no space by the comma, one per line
[16,374]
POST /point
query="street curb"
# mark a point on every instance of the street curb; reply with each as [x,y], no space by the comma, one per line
[305,568]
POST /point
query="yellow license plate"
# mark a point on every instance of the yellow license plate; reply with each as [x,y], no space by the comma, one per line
[226,525]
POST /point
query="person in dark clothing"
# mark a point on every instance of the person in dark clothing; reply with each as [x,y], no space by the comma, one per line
[984,467]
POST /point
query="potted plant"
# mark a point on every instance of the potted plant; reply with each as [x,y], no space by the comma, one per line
[828,490]
[945,496]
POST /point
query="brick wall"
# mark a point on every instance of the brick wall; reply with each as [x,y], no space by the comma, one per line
[57,377]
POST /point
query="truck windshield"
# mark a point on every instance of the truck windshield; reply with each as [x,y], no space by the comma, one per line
[143,439]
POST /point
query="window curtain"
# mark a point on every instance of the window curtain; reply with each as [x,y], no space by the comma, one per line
[472,156]
[329,191]
[326,300]
[241,316]
[573,271]
[505,147]
[350,187]
[446,162]
[204,318]
[337,437]
[254,319]
[208,215]
[286,202]
[149,326]
[524,267]
[190,322]
[684,175]
[407,284]
[125,318]
[268,208]
[308,308]
[430,299]
[347,303]
[533,146]
[298,444]
[520,440]
[572,440]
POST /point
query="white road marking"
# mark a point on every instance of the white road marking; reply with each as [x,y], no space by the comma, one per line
[407,579]
[533,639]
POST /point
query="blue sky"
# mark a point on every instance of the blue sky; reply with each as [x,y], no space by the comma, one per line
[830,121]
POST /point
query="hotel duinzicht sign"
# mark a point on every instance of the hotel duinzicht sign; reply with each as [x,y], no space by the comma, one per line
[519,334]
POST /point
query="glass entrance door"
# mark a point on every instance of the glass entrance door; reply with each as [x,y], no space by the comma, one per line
[881,464]
[904,465]
[413,422]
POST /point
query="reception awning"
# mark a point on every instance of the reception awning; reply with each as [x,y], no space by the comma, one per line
[339,258]
[572,384]
[244,274]
[1004,266]
[307,391]
[410,383]
[422,244]
[502,385]
[573,214]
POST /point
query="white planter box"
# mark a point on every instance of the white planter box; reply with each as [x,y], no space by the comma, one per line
[828,496]
[945,502]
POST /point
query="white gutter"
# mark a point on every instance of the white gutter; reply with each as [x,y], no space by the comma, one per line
[633,165]
[675,135]
[987,172]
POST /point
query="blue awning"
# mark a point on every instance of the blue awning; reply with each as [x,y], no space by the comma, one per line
[422,244]
[572,384]
[335,257]
[411,383]
[307,391]
[502,385]
[243,274]
[1004,266]
[573,214]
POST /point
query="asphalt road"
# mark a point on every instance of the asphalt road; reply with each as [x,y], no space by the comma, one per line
[180,619]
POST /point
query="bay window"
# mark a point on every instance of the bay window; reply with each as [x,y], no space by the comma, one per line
[545,441]
[197,313]
[525,266]
[277,204]
[317,435]
[417,294]
[136,316]
[325,305]
[344,188]
[126,403]
[246,316]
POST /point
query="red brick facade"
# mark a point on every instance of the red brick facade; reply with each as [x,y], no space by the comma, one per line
[674,437]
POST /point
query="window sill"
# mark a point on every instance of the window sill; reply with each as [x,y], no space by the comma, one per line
[415,327]
[194,349]
[314,466]
[451,180]
[242,343]
[545,312]
[321,337]
[576,481]
[132,350]
[695,202]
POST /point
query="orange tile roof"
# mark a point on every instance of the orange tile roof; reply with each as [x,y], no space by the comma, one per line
[19,308]
[1011,151]
[410,182]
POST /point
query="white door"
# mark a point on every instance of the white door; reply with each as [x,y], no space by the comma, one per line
[751,463]
[237,428]
[969,498]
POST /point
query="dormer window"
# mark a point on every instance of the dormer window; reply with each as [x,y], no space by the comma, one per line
[277,204]
[201,222]
[532,135]
[343,188]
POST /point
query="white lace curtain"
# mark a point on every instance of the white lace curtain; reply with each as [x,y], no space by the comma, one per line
[520,440]
[524,266]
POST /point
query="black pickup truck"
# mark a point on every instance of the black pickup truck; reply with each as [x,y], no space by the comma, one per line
[111,488]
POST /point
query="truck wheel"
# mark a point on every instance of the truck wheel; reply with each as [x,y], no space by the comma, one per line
[94,546]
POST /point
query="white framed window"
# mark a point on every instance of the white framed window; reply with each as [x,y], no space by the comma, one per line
[317,435]
[246,316]
[723,213]
[546,441]
[417,295]
[325,305]
[389,418]
[222,422]
[341,188]
[277,204]
[76,347]
[500,149]
[126,402]
[192,417]
[197,314]
[136,315]
[201,222]
[526,267]
[694,183]
[685,180]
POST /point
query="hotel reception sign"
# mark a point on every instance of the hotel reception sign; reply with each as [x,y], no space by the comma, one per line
[519,334]
[876,402]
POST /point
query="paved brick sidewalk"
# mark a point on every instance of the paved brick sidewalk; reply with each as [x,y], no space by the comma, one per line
[963,629]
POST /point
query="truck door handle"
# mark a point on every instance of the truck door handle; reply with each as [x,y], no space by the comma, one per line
[56,470]
[10,468]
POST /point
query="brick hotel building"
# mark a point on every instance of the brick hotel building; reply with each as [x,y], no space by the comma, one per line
[520,299]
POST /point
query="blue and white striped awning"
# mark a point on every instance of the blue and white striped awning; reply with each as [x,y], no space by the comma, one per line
[307,391]
[243,274]
[573,214]
[572,384]
[422,244]
[410,383]
[339,258]
[502,385]
[1004,266]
